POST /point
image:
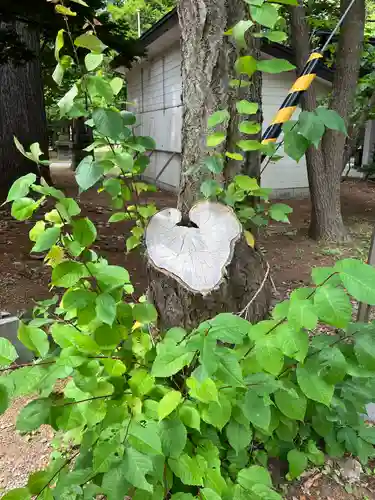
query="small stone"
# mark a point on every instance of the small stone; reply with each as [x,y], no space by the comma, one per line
[351,470]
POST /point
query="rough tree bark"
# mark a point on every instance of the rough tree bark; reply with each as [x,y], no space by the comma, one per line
[208,58]
[324,165]
[22,112]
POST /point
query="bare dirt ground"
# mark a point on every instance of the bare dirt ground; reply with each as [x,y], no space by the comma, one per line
[287,248]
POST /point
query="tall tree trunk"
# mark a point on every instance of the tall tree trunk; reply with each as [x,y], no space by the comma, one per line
[22,112]
[324,164]
[207,65]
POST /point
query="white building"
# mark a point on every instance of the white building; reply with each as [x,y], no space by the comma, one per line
[154,89]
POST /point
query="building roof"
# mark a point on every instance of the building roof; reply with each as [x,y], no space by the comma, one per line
[273,49]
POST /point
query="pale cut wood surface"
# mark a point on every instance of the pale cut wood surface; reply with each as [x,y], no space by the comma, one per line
[195,256]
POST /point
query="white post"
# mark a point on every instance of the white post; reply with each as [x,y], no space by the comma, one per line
[139,23]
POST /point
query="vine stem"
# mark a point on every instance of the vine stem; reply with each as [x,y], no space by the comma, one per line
[23,365]
[67,462]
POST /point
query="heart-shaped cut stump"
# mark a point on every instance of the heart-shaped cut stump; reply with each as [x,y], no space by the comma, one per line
[195,256]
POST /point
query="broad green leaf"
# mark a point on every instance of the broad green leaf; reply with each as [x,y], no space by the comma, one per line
[103,456]
[106,308]
[182,496]
[113,277]
[65,11]
[4,398]
[217,118]
[311,127]
[292,342]
[245,65]
[38,480]
[47,239]
[253,475]
[88,173]
[92,61]
[68,273]
[249,128]
[229,370]
[98,86]
[268,355]
[297,463]
[33,415]
[364,349]
[145,437]
[273,36]
[291,402]
[116,83]
[295,145]
[119,217]
[189,469]
[114,367]
[84,232]
[226,327]
[205,391]
[108,123]
[173,437]
[301,313]
[358,278]
[247,184]
[332,364]
[145,313]
[265,15]
[66,103]
[135,466]
[125,161]
[324,275]
[34,339]
[279,212]
[331,119]
[208,494]
[313,386]
[90,42]
[256,410]
[210,188]
[68,208]
[17,494]
[239,436]
[333,306]
[78,299]
[249,145]
[215,139]
[234,156]
[214,164]
[23,208]
[189,416]
[169,403]
[8,353]
[274,66]
[170,359]
[239,31]
[315,455]
[108,337]
[59,43]
[217,414]
[21,187]
[247,108]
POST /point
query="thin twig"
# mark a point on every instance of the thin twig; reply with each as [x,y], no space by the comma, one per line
[23,365]
[245,310]
[67,462]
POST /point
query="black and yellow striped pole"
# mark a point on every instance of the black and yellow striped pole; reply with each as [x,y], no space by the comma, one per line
[300,86]
[291,101]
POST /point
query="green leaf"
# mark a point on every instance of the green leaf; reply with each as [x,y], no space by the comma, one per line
[331,119]
[145,313]
[8,353]
[135,466]
[215,139]
[170,359]
[37,481]
[333,306]
[358,278]
[189,469]
[249,128]
[97,86]
[291,402]
[295,145]
[274,36]
[106,308]
[103,456]
[84,232]
[234,156]
[239,31]
[145,437]
[217,118]
[113,277]
[311,127]
[226,327]
[108,123]
[90,42]
[238,435]
[315,455]
[92,61]
[217,414]
[34,339]
[66,103]
[245,65]
[269,356]
[169,403]
[249,145]
[210,188]
[23,208]
[173,437]
[68,273]
[313,386]
[21,187]
[47,239]
[88,173]
[125,161]
[214,164]
[279,212]
[229,370]
[247,108]
[77,299]
[17,494]
[274,66]
[292,342]
[327,275]
[252,476]
[297,463]
[208,494]
[59,43]
[265,15]
[33,415]
[205,391]
[364,349]
[256,410]
[4,398]
[190,416]
[116,83]
[301,313]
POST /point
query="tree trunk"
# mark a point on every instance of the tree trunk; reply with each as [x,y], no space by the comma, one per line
[208,58]
[324,164]
[22,112]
